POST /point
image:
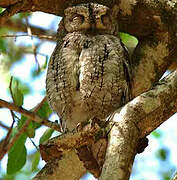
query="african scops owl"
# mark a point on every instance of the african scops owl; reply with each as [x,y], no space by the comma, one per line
[89,72]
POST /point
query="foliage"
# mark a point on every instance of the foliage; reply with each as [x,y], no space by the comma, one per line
[47,134]
[17,155]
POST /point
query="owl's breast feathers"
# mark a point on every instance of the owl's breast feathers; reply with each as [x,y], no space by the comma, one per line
[87,77]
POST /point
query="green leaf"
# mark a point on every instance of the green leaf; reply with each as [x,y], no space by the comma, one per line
[3,46]
[30,131]
[17,94]
[47,134]
[129,41]
[46,62]
[35,161]
[17,155]
[44,111]
[21,122]
[163,154]
[156,134]
[19,89]
[24,88]
[24,15]
[1,9]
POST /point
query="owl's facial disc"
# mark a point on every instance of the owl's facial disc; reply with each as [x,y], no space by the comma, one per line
[89,17]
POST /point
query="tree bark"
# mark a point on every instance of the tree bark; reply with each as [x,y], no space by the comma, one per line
[135,120]
[67,168]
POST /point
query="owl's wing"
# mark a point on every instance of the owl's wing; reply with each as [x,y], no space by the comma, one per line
[62,80]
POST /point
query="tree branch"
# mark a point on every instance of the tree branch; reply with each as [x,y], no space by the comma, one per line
[151,59]
[12,10]
[30,115]
[136,119]
[4,126]
[6,3]
[68,167]
[6,144]
[19,26]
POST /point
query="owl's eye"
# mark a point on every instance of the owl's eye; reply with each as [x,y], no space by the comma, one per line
[78,19]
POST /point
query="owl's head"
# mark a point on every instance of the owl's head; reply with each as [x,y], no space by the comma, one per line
[91,17]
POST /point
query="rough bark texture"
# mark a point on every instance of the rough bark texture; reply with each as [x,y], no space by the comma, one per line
[136,119]
[121,151]
[68,167]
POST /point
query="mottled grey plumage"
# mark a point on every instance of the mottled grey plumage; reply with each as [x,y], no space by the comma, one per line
[88,73]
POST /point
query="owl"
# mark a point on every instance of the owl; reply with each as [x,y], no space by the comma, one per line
[89,71]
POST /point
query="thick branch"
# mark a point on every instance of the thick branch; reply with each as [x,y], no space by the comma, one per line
[151,59]
[67,142]
[136,119]
[145,113]
[68,167]
[6,3]
[121,150]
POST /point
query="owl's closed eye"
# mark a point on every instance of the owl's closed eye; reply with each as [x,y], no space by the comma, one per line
[76,18]
[90,18]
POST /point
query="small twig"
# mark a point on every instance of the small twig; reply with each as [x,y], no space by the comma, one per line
[34,144]
[10,88]
[4,126]
[46,37]
[30,115]
[4,147]
[29,32]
